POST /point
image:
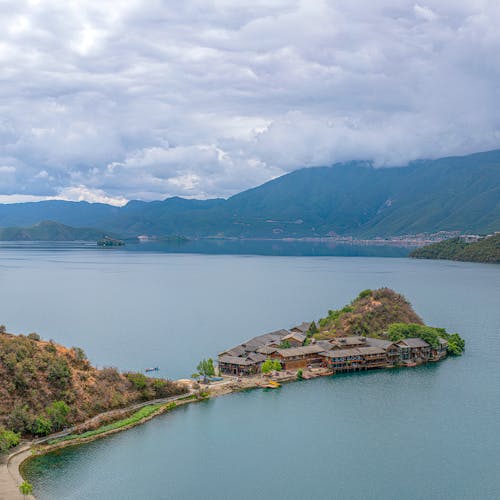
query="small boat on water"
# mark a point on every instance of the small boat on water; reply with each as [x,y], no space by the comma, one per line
[272,384]
[154,369]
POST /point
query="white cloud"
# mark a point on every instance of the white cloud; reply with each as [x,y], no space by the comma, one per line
[111,101]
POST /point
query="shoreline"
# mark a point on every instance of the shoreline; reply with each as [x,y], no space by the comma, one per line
[15,462]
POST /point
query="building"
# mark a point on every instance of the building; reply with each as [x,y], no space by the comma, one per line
[414,350]
[235,365]
[348,342]
[373,357]
[294,358]
[302,328]
[440,352]
[391,349]
[342,360]
[295,339]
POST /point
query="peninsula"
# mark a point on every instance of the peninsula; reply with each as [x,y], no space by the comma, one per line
[378,329]
[52,397]
[467,249]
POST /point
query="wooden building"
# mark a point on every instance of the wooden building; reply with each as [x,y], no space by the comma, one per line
[391,349]
[342,360]
[295,339]
[414,350]
[302,328]
[373,357]
[441,351]
[235,365]
[298,357]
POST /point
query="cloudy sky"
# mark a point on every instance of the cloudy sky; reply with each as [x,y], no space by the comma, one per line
[110,101]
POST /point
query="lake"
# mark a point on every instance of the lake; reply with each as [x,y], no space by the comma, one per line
[428,432]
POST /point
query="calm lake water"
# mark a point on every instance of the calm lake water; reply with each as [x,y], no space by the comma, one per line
[429,432]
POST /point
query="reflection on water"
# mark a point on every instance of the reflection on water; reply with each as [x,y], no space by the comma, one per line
[230,247]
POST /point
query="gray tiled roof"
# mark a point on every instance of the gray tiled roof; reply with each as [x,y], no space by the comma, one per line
[414,342]
[371,350]
[235,360]
[300,351]
[299,337]
[383,344]
[303,327]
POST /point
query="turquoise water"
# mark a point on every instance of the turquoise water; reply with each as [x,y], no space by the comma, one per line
[428,432]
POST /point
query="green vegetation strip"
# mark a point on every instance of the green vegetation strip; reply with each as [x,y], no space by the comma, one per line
[136,417]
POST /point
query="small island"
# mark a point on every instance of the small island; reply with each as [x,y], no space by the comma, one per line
[484,249]
[108,242]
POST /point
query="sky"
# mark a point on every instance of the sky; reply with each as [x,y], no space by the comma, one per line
[111,101]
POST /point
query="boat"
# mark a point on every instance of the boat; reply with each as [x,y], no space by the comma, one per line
[272,384]
[154,369]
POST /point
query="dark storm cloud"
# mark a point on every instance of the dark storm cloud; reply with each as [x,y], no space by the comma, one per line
[118,100]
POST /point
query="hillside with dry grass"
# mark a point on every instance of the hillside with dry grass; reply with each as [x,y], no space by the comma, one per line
[45,386]
[369,314]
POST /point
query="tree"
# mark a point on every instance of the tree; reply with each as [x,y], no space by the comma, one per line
[138,380]
[79,354]
[312,329]
[20,419]
[26,488]
[270,365]
[42,426]
[206,368]
[267,366]
[34,336]
[285,344]
[57,413]
[300,374]
[3,329]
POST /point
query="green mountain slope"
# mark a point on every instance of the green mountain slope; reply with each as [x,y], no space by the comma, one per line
[456,193]
[485,250]
[50,231]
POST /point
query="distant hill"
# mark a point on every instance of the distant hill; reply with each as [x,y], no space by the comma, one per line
[50,231]
[484,250]
[356,199]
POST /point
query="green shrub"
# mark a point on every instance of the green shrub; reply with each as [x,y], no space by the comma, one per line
[267,366]
[8,439]
[138,380]
[20,420]
[456,344]
[34,336]
[42,426]
[57,413]
[59,374]
[79,354]
[50,347]
[365,293]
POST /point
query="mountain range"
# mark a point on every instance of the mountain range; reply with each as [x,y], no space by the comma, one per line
[352,199]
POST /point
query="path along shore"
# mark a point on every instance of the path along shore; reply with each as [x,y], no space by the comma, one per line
[10,475]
